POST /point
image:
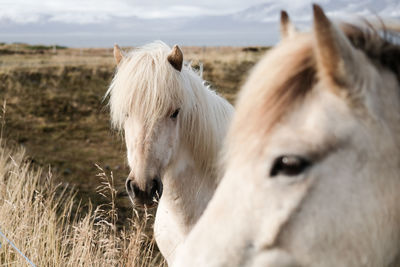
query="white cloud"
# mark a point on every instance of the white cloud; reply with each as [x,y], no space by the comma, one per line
[96,11]
[295,4]
[87,11]
[176,11]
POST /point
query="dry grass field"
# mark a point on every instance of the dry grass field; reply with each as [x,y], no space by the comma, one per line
[45,221]
[54,111]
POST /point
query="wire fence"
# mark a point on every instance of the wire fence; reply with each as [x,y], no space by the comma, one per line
[15,247]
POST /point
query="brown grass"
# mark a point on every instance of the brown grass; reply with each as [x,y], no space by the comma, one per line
[45,221]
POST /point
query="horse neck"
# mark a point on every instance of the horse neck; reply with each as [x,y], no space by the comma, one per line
[187,190]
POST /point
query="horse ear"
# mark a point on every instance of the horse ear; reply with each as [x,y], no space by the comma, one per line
[336,57]
[287,28]
[175,58]
[118,54]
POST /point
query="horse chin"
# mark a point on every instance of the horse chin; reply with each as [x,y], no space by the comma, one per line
[144,204]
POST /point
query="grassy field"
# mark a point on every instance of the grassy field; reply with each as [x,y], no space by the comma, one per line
[54,110]
[46,222]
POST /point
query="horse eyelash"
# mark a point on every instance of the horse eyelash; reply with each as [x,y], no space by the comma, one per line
[175,114]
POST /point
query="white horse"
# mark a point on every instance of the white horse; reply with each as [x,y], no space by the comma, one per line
[312,172]
[174,126]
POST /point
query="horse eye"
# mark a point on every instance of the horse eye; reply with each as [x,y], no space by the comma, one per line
[175,114]
[289,165]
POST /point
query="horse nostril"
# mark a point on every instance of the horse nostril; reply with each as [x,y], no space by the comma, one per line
[131,188]
[157,188]
[137,196]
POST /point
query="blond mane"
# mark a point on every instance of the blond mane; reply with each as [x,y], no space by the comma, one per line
[146,85]
[293,79]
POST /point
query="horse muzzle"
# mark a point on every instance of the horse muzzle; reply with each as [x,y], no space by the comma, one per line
[147,196]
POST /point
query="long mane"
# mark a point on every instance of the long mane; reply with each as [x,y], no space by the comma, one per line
[146,85]
[293,71]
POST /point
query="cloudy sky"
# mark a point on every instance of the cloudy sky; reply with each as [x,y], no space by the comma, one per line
[133,22]
[86,11]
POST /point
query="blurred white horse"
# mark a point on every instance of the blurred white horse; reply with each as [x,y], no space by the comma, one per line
[313,157]
[174,126]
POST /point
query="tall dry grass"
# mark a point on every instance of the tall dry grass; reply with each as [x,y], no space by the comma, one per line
[47,223]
